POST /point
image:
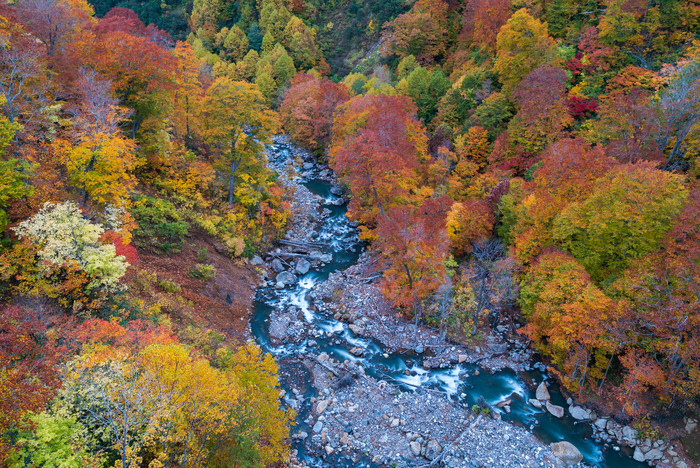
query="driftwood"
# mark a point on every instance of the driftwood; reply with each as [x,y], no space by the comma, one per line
[302,244]
[439,458]
[326,366]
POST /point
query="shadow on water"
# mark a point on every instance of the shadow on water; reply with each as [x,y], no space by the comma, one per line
[334,338]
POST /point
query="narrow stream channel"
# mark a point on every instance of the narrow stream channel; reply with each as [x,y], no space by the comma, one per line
[334,338]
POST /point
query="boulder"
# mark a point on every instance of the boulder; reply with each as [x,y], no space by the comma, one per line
[690,425]
[326,258]
[356,329]
[357,351]
[578,412]
[461,358]
[628,433]
[653,455]
[600,423]
[555,410]
[542,393]
[307,166]
[566,452]
[318,427]
[433,449]
[536,403]
[286,278]
[303,266]
[277,266]
[256,260]
[329,449]
[638,455]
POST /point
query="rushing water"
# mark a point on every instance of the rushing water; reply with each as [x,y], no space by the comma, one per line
[460,383]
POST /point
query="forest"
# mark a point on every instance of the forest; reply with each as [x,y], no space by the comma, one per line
[531,159]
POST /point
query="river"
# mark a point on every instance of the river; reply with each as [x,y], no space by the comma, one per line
[460,383]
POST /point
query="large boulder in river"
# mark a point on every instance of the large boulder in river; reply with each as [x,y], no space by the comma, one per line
[303,266]
[542,393]
[577,412]
[566,452]
[555,410]
[286,279]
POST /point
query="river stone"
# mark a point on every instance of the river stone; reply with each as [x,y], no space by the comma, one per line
[321,406]
[356,329]
[318,427]
[286,278]
[303,266]
[542,393]
[600,423]
[578,412]
[277,266]
[536,403]
[690,425]
[566,452]
[307,166]
[419,349]
[638,455]
[329,449]
[555,410]
[461,358]
[326,258]
[415,448]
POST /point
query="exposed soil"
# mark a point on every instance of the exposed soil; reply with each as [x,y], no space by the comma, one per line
[223,303]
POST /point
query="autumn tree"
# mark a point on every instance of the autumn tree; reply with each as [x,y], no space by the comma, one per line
[483,20]
[629,211]
[237,123]
[569,318]
[29,359]
[468,222]
[53,22]
[542,113]
[413,243]
[523,44]
[378,148]
[308,109]
[422,32]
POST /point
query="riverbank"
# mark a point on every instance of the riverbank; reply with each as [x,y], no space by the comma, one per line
[347,359]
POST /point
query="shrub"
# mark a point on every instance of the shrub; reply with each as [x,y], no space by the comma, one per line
[202,271]
[161,226]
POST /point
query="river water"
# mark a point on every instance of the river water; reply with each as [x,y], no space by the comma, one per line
[334,338]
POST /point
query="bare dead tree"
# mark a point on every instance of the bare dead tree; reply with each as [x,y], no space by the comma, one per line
[23,81]
[679,111]
[491,277]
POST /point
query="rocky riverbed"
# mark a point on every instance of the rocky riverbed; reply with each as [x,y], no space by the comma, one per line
[372,389]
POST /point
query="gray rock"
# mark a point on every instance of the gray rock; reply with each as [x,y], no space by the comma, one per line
[419,349]
[286,278]
[318,427]
[256,260]
[461,358]
[415,448]
[542,393]
[566,452]
[277,266]
[433,449]
[654,454]
[303,266]
[600,423]
[308,166]
[555,410]
[357,351]
[690,425]
[578,412]
[326,258]
[329,449]
[628,433]
[536,403]
[356,329]
[321,406]
[638,455]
